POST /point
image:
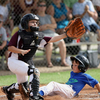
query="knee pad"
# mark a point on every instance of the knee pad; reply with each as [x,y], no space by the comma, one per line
[33,70]
[30,70]
[36,73]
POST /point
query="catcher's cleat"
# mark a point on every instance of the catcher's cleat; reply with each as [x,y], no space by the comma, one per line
[33,98]
[10,96]
[36,97]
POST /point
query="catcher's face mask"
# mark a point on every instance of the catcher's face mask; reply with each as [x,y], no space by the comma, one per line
[33,25]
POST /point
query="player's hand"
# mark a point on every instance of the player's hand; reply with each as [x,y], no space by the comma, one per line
[23,52]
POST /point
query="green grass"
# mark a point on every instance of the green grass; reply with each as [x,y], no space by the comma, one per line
[95,73]
[61,77]
[39,54]
[7,80]
[45,78]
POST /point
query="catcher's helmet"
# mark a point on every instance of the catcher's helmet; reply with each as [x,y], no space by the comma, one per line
[84,62]
[26,18]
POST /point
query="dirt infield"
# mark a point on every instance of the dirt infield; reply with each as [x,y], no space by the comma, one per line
[87,93]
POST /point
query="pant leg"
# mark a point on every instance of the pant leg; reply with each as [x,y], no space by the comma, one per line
[60,89]
[19,68]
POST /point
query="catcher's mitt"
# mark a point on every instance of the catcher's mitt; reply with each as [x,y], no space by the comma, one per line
[75,29]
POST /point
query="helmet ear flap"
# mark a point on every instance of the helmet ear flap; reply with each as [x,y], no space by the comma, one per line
[84,62]
[24,24]
[81,68]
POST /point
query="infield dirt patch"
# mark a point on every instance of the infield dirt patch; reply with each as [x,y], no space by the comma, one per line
[88,93]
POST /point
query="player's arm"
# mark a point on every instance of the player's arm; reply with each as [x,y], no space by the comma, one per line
[57,38]
[98,87]
[16,50]
[12,47]
[75,29]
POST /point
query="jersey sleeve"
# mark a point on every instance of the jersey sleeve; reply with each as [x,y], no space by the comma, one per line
[13,40]
[90,80]
[47,39]
[44,41]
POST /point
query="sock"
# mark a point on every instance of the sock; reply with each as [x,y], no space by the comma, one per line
[41,93]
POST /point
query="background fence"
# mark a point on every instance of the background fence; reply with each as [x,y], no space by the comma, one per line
[74,47]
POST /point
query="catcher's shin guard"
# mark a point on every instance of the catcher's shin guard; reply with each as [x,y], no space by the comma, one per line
[9,90]
[34,84]
[34,87]
[23,89]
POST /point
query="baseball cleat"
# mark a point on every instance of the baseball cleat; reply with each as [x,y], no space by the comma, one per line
[33,98]
[36,98]
[9,95]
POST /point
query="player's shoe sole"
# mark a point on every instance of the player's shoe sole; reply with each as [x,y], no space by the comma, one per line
[36,98]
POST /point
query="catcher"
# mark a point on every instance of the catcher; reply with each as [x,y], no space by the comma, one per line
[23,46]
[78,79]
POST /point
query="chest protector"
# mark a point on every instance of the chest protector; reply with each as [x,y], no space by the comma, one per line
[30,40]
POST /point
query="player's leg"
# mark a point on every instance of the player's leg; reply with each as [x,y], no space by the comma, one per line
[9,90]
[20,69]
[34,83]
[13,88]
[23,86]
[56,88]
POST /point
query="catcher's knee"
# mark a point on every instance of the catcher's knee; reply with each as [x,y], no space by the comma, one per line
[33,70]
